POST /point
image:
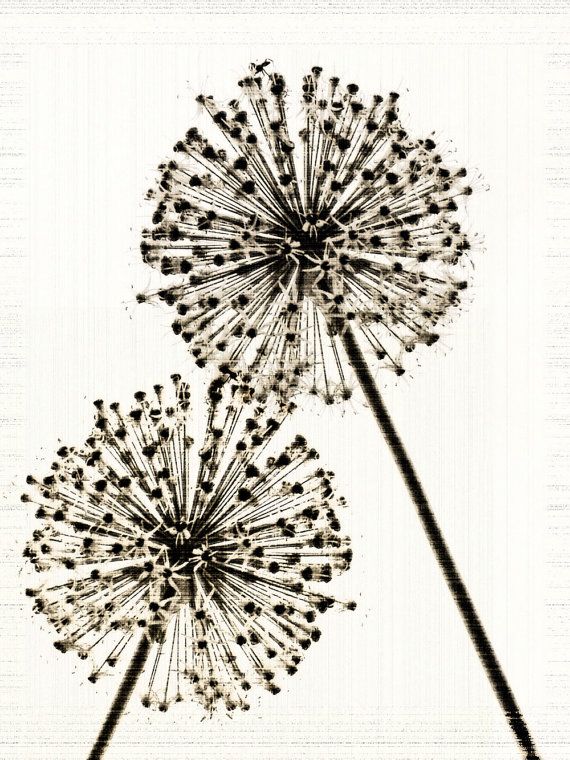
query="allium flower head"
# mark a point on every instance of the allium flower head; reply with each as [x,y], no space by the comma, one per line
[272,241]
[214,551]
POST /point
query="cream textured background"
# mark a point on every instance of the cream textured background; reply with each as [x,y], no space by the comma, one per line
[91,99]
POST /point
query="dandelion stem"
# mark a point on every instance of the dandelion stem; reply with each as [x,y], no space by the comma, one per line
[455,584]
[122,696]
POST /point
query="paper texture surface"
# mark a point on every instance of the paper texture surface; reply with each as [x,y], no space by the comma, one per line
[92,98]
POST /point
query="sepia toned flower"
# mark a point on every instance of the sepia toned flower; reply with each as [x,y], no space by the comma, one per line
[215,551]
[277,234]
[309,252]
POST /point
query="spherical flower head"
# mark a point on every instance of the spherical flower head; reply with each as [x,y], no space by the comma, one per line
[216,552]
[271,242]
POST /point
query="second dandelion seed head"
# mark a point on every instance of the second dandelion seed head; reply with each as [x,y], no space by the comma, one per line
[215,554]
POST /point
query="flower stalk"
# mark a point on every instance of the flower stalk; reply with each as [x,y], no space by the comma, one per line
[439,547]
[277,259]
[124,692]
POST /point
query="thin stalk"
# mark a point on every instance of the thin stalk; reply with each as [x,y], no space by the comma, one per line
[136,666]
[454,582]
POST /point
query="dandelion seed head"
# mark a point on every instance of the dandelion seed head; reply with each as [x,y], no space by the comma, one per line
[271,242]
[215,551]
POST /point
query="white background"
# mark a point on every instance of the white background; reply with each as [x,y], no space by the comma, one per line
[89,105]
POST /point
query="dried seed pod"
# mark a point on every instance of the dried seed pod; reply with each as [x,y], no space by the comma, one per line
[215,552]
[276,244]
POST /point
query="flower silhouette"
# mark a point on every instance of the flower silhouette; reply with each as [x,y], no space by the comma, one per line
[274,242]
[212,553]
[303,257]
